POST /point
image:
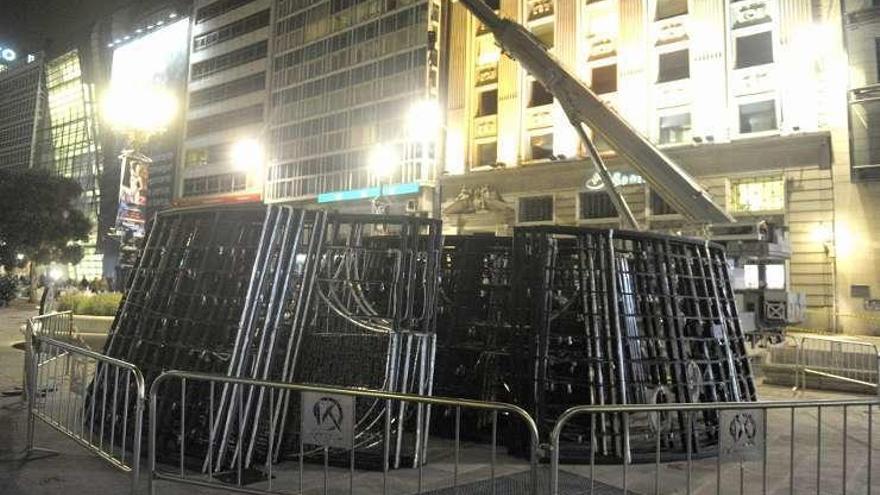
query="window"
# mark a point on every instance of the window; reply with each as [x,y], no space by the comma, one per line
[225,91]
[196,158]
[541,146]
[596,204]
[539,95]
[671,8]
[604,79]
[757,117]
[774,274]
[544,33]
[230,31]
[758,194]
[673,66]
[228,60]
[487,154]
[226,120]
[659,206]
[536,209]
[675,128]
[865,139]
[755,49]
[218,8]
[488,103]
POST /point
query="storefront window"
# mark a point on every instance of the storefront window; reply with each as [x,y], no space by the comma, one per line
[758,194]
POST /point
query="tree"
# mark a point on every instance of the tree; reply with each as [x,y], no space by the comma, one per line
[39,219]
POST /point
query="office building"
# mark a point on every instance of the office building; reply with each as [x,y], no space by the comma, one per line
[22,105]
[226,102]
[352,89]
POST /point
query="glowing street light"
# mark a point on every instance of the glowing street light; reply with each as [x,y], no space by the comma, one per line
[423,120]
[19,257]
[382,161]
[139,110]
[247,155]
[55,274]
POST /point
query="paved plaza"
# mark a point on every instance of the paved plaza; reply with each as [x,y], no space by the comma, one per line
[75,470]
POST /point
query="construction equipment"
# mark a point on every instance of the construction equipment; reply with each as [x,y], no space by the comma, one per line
[758,253]
[583,107]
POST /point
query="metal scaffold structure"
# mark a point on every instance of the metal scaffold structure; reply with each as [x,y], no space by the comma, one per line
[288,295]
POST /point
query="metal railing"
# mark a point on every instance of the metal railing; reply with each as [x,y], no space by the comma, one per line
[77,391]
[748,434]
[58,326]
[838,358]
[310,468]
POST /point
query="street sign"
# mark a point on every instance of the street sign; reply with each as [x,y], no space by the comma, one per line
[742,435]
[327,420]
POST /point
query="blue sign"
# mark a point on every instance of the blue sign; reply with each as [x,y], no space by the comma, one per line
[369,192]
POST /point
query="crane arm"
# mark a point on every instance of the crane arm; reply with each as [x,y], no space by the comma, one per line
[581,105]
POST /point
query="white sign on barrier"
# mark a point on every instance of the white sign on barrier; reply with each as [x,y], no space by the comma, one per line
[327,420]
[742,435]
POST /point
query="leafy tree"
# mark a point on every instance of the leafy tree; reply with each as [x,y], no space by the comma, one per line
[38,218]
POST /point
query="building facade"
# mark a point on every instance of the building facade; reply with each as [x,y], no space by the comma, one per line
[351,89]
[748,96]
[48,121]
[226,102]
[22,106]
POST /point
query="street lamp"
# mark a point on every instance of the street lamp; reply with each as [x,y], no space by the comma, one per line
[423,120]
[382,162]
[247,155]
[139,111]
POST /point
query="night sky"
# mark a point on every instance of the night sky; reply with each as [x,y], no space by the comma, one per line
[50,25]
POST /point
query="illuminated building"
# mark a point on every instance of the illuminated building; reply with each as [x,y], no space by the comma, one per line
[353,84]
[48,121]
[69,144]
[22,102]
[748,96]
[225,101]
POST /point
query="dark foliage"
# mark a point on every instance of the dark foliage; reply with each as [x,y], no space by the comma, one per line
[38,218]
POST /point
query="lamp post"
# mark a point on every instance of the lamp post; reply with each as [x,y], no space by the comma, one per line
[424,127]
[139,112]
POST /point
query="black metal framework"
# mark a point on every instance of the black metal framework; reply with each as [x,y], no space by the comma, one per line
[615,317]
[474,330]
[288,295]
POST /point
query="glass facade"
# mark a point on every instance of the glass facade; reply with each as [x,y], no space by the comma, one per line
[344,77]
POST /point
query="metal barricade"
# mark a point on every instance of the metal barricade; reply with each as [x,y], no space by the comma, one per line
[329,445]
[61,380]
[808,446]
[58,326]
[840,359]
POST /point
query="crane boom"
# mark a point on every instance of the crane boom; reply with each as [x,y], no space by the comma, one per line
[583,107]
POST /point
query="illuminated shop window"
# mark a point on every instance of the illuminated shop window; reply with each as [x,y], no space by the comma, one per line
[675,128]
[757,194]
[536,209]
[757,117]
